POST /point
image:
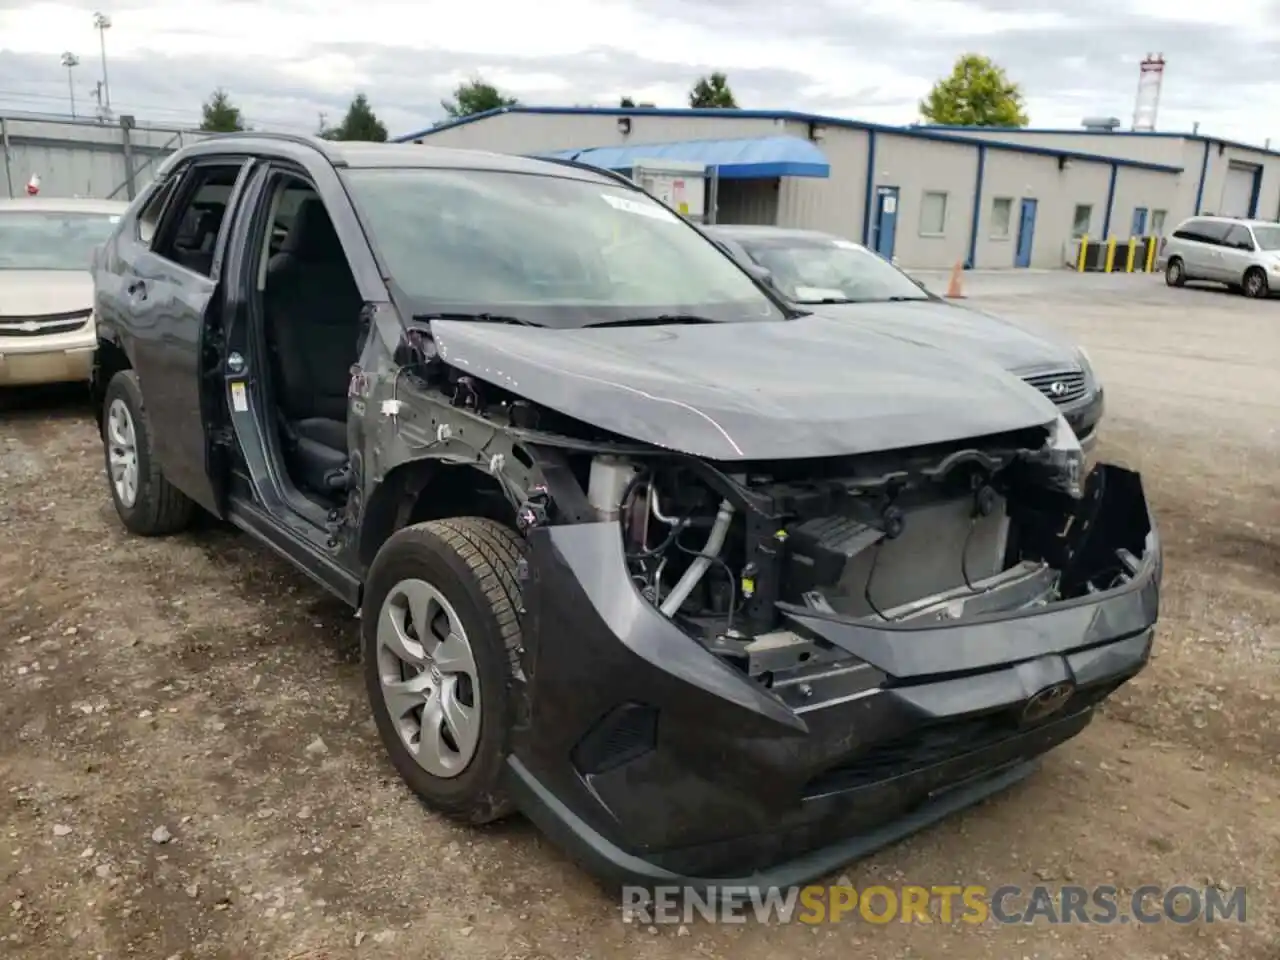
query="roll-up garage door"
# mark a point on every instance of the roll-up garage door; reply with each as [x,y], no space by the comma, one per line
[1238,191]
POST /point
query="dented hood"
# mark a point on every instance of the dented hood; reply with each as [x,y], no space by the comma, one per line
[811,387]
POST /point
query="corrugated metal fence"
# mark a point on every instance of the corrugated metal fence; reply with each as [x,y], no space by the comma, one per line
[78,158]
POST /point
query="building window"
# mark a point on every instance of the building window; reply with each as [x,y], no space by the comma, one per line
[1001,215]
[1082,220]
[1157,223]
[933,214]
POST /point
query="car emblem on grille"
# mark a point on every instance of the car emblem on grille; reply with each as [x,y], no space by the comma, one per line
[28,326]
[1058,388]
[1045,703]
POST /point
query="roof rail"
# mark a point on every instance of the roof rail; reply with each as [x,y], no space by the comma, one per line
[316,143]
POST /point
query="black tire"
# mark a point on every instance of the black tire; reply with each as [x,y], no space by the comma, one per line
[159,508]
[1255,283]
[474,563]
[1175,274]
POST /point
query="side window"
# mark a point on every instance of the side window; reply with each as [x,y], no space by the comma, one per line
[1081,220]
[1239,238]
[933,214]
[1001,217]
[189,229]
[148,221]
[1202,231]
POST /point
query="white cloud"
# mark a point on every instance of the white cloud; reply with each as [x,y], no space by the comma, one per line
[285,60]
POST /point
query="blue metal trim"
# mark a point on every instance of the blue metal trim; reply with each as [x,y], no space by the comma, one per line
[791,115]
[1155,134]
[1111,199]
[977,209]
[871,188]
[1204,170]
[1257,190]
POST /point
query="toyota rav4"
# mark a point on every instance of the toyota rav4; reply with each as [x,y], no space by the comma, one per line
[711,589]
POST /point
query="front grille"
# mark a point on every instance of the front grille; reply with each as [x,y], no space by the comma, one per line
[1060,386]
[937,744]
[43,324]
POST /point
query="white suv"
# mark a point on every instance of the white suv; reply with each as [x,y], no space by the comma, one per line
[1243,254]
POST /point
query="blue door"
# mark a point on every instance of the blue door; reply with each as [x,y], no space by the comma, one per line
[886,222]
[1026,233]
[1139,222]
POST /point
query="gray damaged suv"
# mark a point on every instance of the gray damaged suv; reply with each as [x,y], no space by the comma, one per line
[1243,254]
[705,586]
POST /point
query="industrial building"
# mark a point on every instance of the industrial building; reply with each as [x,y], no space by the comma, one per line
[83,158]
[928,197]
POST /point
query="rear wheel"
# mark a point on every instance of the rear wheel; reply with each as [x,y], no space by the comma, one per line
[1255,283]
[1175,275]
[441,642]
[145,501]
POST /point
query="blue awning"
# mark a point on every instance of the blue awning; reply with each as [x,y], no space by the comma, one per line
[749,158]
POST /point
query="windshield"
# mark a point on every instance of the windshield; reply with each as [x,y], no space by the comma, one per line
[830,270]
[1268,237]
[51,239]
[548,250]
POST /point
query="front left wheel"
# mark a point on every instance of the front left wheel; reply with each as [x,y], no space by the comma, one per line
[1255,283]
[441,641]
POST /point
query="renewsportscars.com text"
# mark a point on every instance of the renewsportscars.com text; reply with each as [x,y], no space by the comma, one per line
[968,904]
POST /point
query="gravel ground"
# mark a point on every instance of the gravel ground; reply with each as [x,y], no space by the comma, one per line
[187,767]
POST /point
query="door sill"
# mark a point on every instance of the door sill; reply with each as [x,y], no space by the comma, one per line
[299,542]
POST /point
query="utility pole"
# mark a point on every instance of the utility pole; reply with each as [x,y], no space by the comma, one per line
[97,95]
[102,23]
[71,61]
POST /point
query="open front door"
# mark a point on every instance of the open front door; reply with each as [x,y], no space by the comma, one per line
[168,304]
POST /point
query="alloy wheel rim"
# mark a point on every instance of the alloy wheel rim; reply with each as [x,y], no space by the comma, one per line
[122,452]
[427,677]
[1253,284]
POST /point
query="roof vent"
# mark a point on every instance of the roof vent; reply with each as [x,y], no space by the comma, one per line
[1101,124]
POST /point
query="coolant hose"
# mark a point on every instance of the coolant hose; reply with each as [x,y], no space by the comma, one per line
[715,543]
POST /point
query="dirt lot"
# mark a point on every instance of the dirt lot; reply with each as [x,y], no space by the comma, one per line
[197,692]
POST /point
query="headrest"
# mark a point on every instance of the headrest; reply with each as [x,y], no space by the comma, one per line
[312,237]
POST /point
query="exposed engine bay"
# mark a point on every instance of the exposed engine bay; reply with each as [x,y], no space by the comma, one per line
[901,539]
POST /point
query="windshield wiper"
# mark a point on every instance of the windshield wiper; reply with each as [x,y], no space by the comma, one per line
[476,317]
[654,321]
[829,300]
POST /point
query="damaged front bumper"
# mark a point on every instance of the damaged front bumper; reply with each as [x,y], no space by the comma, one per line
[653,761]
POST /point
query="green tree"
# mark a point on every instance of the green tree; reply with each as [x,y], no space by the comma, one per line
[626,102]
[475,96]
[712,91]
[360,123]
[977,93]
[220,115]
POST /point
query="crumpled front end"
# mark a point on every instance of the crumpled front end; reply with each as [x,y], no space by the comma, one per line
[860,650]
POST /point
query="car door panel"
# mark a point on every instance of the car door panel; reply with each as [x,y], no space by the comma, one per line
[1236,254]
[167,307]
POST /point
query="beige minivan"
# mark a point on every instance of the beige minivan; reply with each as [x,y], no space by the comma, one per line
[1243,254]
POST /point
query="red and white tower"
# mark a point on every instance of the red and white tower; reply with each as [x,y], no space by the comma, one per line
[1150,76]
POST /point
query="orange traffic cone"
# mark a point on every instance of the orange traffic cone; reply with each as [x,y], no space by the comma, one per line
[953,288]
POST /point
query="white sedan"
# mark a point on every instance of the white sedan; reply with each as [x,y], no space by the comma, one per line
[47,332]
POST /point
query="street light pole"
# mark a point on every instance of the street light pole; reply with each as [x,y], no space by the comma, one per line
[71,61]
[102,23]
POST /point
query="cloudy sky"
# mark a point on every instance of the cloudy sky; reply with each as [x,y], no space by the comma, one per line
[285,62]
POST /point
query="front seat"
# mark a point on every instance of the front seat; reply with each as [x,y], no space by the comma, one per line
[312,308]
